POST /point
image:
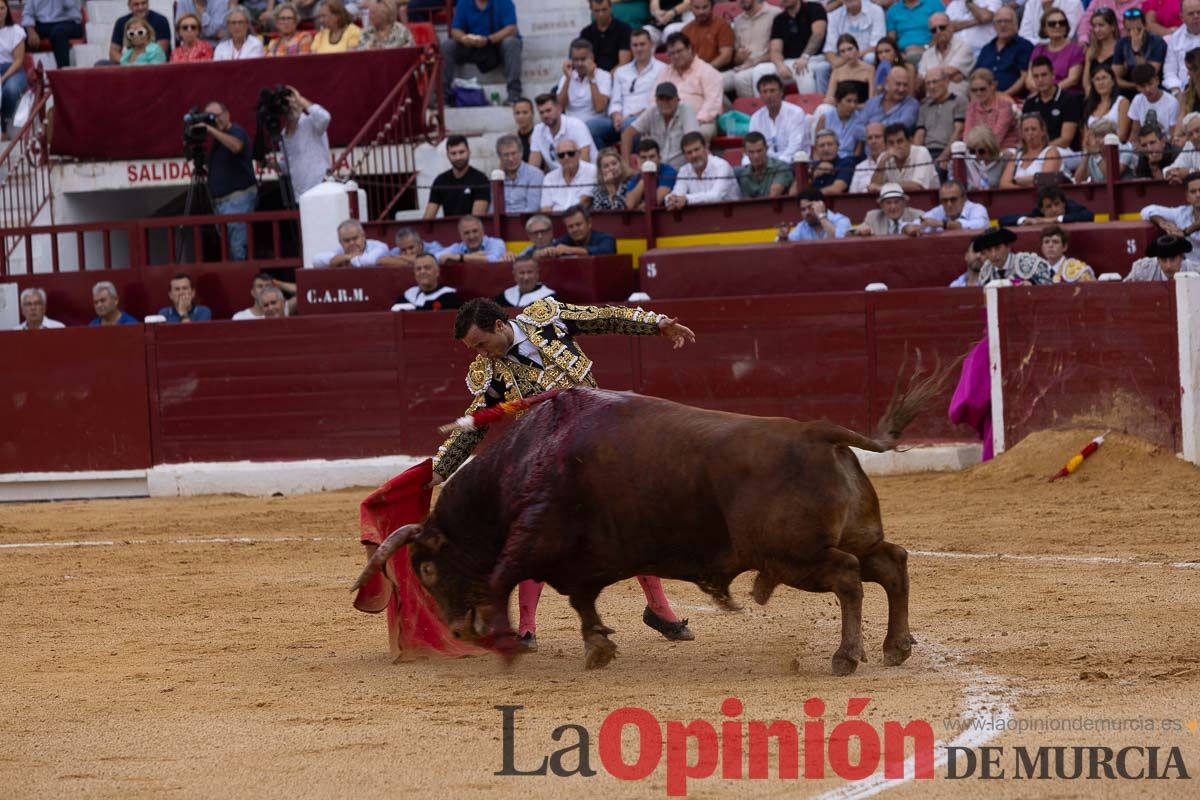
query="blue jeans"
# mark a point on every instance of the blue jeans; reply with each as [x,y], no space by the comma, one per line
[602,131]
[60,35]
[10,95]
[242,202]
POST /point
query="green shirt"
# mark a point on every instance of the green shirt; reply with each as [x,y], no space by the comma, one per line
[776,172]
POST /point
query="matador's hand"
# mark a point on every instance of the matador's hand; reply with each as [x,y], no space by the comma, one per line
[679,334]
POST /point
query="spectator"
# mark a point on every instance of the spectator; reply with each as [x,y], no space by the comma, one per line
[12,66]
[797,36]
[1060,111]
[844,120]
[613,181]
[698,84]
[828,172]
[895,104]
[552,130]
[851,71]
[1183,221]
[272,302]
[1102,49]
[667,17]
[1156,152]
[108,306]
[816,222]
[60,21]
[711,36]
[950,53]
[955,212]
[581,239]
[191,47]
[541,235]
[1137,46]
[258,309]
[705,178]
[666,124]
[887,58]
[1034,157]
[1052,207]
[991,110]
[1188,160]
[484,33]
[1007,56]
[634,82]
[584,90]
[528,288]
[1065,56]
[784,125]
[1104,101]
[906,164]
[231,179]
[522,183]
[338,33]
[158,32]
[1000,262]
[355,249]
[33,308]
[386,32]
[290,41]
[183,306]
[941,118]
[572,183]
[474,246]
[1031,17]
[893,217]
[240,44]
[429,294]
[908,24]
[608,36]
[864,172]
[140,47]
[1189,98]
[985,160]
[522,111]
[666,176]
[1092,168]
[864,20]
[1054,249]
[1162,17]
[1180,44]
[408,247]
[305,157]
[1152,106]
[1164,258]
[972,22]
[971,276]
[462,189]
[1114,11]
[751,44]
[762,175]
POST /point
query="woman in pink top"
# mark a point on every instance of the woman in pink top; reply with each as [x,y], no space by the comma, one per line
[191,47]
[1162,16]
[1064,54]
[990,110]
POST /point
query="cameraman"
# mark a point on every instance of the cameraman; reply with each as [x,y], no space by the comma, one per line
[306,158]
[231,175]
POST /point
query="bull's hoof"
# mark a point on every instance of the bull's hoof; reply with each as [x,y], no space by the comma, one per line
[843,666]
[675,631]
[598,652]
[896,653]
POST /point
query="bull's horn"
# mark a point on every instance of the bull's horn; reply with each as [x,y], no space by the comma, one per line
[397,539]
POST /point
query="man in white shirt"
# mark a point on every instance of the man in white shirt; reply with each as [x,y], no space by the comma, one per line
[955,212]
[634,82]
[356,249]
[864,20]
[1186,37]
[875,148]
[784,125]
[305,155]
[907,164]
[972,20]
[705,178]
[950,52]
[33,308]
[1031,18]
[553,128]
[263,281]
[584,91]
[751,44]
[572,183]
[1179,220]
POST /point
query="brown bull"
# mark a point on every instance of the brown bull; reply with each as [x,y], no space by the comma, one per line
[593,487]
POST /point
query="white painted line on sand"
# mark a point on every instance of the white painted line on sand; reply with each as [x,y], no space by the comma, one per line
[123,542]
[1067,559]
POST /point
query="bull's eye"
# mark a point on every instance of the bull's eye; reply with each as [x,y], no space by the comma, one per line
[428,573]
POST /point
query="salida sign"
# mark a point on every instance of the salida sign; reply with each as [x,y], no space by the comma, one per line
[168,172]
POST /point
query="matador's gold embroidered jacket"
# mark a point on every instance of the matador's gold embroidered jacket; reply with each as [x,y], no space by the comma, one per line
[551,327]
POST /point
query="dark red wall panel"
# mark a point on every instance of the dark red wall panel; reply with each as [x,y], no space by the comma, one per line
[74,400]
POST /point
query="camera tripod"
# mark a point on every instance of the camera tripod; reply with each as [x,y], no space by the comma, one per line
[197,195]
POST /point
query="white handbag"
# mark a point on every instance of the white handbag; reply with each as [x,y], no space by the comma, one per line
[21,117]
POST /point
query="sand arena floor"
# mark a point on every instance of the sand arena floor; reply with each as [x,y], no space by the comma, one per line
[175,662]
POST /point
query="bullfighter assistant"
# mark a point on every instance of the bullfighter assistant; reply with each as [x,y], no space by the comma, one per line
[534,353]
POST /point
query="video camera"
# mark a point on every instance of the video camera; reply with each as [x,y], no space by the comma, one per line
[274,104]
[195,134]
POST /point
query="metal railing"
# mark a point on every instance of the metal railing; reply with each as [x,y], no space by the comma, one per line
[25,167]
[381,157]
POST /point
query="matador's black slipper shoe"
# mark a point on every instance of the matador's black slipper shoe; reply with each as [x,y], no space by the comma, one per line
[675,631]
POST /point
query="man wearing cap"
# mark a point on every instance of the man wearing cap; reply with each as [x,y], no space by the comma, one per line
[1001,262]
[893,217]
[665,123]
[1179,220]
[1164,258]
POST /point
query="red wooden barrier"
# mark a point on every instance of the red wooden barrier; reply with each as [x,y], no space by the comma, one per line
[1103,355]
